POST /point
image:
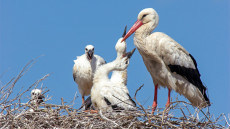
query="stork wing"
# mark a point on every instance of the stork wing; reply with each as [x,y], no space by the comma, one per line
[178,60]
[117,98]
[74,72]
[88,104]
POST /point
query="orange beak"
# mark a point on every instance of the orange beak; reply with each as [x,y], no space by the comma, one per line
[136,25]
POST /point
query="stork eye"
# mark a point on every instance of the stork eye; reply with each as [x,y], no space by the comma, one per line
[144,16]
[93,49]
[32,93]
[86,49]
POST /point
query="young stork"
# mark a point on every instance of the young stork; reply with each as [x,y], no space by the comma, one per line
[84,68]
[120,77]
[169,64]
[36,96]
[107,95]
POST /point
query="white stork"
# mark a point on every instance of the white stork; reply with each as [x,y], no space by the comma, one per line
[107,95]
[84,68]
[120,77]
[36,96]
[169,64]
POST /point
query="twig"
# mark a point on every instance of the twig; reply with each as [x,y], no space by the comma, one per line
[103,117]
[140,104]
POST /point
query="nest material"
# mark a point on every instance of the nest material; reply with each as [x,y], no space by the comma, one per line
[62,116]
[14,114]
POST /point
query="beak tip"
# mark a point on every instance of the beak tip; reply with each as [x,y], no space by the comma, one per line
[124,31]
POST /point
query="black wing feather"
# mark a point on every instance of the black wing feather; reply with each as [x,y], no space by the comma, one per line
[194,61]
[74,77]
[114,106]
[191,75]
[88,104]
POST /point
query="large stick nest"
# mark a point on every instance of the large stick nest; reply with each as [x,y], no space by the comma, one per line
[15,114]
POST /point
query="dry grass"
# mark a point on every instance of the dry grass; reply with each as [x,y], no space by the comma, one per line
[14,114]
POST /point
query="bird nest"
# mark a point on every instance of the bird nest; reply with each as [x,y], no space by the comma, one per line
[63,116]
[15,114]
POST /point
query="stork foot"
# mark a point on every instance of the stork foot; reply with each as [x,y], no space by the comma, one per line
[154,107]
[91,111]
[167,105]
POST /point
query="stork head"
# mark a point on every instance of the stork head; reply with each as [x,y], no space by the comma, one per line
[121,46]
[122,63]
[89,51]
[147,18]
[36,94]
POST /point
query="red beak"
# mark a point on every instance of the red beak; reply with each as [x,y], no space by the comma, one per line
[136,25]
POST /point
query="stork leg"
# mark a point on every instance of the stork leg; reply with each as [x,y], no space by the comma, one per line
[83,100]
[168,102]
[154,106]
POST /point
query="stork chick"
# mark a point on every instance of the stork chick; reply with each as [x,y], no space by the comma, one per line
[106,94]
[36,97]
[120,77]
[84,68]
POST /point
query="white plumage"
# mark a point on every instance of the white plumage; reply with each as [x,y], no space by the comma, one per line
[84,68]
[106,94]
[120,77]
[36,96]
[169,64]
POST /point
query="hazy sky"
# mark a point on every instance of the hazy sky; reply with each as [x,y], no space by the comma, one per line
[60,30]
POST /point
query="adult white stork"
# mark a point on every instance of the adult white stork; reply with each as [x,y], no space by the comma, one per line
[120,77]
[84,68]
[169,64]
[36,96]
[107,95]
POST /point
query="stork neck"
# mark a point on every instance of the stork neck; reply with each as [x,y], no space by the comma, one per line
[141,34]
[119,55]
[139,39]
[103,71]
[145,30]
[119,77]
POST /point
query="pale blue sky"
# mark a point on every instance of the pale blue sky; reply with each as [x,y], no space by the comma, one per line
[60,30]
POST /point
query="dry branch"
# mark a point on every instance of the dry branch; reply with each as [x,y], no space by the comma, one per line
[15,114]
